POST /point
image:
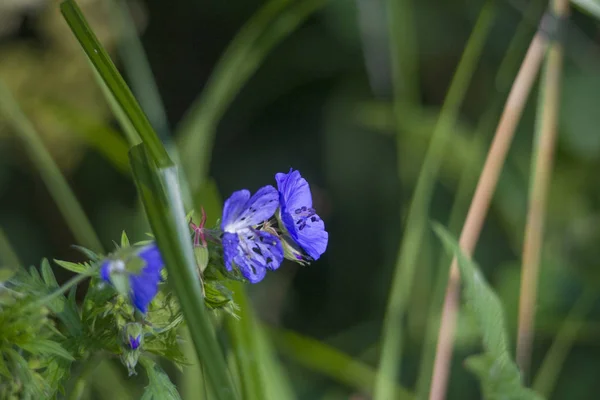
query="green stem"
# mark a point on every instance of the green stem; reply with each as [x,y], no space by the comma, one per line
[391,350]
[51,175]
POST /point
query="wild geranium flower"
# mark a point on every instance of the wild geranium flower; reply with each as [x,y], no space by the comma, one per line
[252,250]
[299,219]
[137,273]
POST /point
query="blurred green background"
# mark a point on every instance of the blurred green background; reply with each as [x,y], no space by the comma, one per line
[321,102]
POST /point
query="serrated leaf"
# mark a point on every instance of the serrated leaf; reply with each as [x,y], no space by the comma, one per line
[49,347]
[48,274]
[159,386]
[498,374]
[87,252]
[73,267]
[124,240]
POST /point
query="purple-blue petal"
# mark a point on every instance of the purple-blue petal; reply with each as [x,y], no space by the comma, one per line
[233,207]
[241,211]
[294,191]
[151,255]
[105,271]
[302,223]
[144,286]
[230,242]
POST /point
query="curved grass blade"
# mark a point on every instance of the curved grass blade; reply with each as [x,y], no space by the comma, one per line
[114,81]
[330,362]
[244,55]
[137,68]
[161,196]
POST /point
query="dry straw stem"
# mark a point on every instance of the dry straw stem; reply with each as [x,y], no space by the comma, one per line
[480,204]
[539,192]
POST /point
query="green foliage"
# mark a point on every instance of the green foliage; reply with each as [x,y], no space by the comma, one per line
[33,360]
[499,375]
[159,385]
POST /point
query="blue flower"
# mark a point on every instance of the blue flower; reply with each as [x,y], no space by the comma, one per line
[143,284]
[253,251]
[299,219]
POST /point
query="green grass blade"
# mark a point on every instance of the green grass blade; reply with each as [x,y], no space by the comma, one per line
[391,350]
[114,81]
[260,373]
[244,55]
[138,68]
[404,54]
[51,175]
[499,375]
[96,133]
[161,196]
[330,362]
[547,375]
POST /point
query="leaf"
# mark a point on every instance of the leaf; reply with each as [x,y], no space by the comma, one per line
[499,375]
[87,252]
[73,267]
[49,347]
[48,275]
[592,7]
[124,240]
[159,386]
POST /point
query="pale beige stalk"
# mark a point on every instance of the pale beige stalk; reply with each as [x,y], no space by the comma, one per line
[534,228]
[480,204]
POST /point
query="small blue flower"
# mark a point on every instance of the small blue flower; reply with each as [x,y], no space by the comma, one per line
[299,219]
[143,285]
[253,251]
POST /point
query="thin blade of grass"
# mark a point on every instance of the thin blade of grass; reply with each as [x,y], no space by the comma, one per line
[547,376]
[159,190]
[268,27]
[330,362]
[138,70]
[51,175]
[391,349]
[114,81]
